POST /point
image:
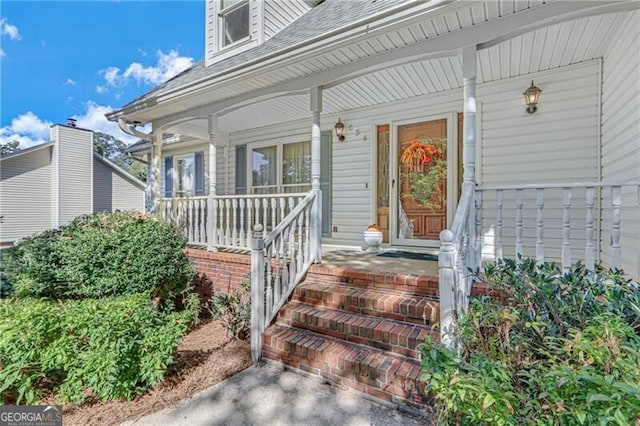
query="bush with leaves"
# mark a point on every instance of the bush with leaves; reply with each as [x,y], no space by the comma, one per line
[100,255]
[233,309]
[105,349]
[559,348]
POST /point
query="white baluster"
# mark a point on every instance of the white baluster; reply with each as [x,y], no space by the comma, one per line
[269,282]
[243,212]
[234,217]
[293,267]
[304,241]
[590,249]
[566,229]
[215,223]
[227,217]
[540,226]
[616,204]
[283,203]
[274,208]
[190,221]
[265,216]
[249,218]
[479,239]
[280,255]
[498,244]
[519,204]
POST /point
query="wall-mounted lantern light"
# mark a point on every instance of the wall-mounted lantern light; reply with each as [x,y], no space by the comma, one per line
[531,97]
[339,130]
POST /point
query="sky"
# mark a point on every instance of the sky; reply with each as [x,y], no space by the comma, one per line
[82,59]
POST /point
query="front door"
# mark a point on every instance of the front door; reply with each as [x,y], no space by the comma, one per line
[419,182]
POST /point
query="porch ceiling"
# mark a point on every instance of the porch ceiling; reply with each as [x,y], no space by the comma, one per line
[550,47]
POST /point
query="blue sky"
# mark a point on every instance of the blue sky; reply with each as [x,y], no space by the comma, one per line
[81,59]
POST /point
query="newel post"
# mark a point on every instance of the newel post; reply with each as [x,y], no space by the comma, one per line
[447,287]
[257,292]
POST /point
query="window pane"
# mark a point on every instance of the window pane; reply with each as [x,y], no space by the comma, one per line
[185,172]
[264,166]
[235,25]
[296,163]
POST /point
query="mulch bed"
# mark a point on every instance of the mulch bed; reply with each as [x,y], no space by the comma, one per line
[205,357]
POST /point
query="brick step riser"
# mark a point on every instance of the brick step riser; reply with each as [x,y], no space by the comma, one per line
[393,337]
[416,310]
[420,285]
[370,371]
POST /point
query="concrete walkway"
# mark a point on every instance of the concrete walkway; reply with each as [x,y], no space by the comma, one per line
[268,395]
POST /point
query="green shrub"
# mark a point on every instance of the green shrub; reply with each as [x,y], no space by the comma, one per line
[559,349]
[107,349]
[234,310]
[101,255]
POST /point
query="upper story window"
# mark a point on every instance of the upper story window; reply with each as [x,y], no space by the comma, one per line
[234,21]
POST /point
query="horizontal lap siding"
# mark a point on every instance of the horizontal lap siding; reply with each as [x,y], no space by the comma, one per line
[279,14]
[558,143]
[75,168]
[111,191]
[25,195]
[621,135]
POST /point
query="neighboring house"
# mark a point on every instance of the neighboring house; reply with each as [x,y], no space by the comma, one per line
[48,185]
[408,114]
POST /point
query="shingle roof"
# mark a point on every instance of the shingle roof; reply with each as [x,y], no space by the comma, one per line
[328,16]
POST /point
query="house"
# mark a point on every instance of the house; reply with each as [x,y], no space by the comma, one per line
[315,119]
[48,185]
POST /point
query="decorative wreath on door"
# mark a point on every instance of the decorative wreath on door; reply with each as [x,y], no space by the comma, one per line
[424,163]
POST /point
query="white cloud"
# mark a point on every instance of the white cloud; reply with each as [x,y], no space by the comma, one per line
[94,119]
[27,128]
[8,29]
[101,89]
[168,65]
[30,130]
[70,81]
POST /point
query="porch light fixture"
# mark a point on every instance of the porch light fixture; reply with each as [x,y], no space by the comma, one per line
[531,97]
[339,130]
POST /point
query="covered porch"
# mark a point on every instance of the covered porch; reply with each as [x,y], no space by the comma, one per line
[561,184]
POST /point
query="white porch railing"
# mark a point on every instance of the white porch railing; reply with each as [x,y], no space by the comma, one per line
[232,217]
[279,261]
[560,222]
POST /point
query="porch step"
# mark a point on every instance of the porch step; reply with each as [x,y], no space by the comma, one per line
[408,283]
[389,335]
[389,304]
[345,364]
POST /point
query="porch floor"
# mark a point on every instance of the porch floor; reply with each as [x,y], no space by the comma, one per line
[355,257]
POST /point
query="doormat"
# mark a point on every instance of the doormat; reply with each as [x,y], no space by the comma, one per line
[409,255]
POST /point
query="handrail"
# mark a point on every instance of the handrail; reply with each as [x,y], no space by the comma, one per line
[557,185]
[459,220]
[279,261]
[250,196]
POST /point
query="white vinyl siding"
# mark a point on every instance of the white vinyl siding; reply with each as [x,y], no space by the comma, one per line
[114,191]
[559,143]
[621,134]
[279,14]
[25,194]
[75,167]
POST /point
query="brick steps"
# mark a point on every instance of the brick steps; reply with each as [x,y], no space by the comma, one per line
[358,329]
[378,332]
[389,304]
[349,365]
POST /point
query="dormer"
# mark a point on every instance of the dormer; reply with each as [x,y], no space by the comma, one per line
[234,26]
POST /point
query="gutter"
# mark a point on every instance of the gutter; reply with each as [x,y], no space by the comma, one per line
[258,64]
[131,130]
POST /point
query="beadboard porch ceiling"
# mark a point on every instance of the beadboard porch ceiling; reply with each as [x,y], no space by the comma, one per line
[546,48]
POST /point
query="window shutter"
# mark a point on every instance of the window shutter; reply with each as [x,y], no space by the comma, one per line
[325,181]
[168,177]
[199,160]
[241,169]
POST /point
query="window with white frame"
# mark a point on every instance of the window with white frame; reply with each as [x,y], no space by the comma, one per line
[283,168]
[233,19]
[184,175]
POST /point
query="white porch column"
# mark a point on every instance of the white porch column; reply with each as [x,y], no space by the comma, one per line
[469,58]
[156,167]
[316,215]
[211,206]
